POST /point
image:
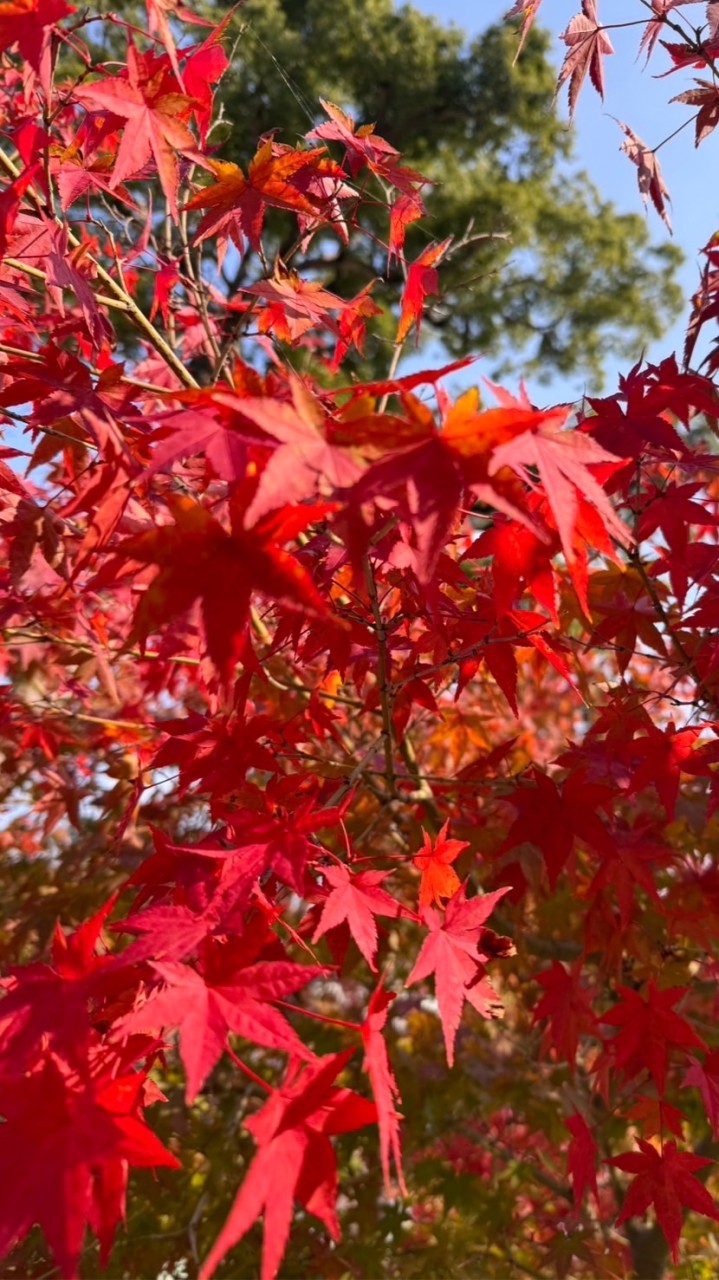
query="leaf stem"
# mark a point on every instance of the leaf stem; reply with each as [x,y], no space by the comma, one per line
[383,676]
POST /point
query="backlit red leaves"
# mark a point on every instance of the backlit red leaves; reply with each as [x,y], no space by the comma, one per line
[656,26]
[705,1077]
[27,24]
[384,1087]
[422,282]
[306,461]
[197,559]
[664,1179]
[11,199]
[553,819]
[567,1005]
[587,44]
[526,10]
[62,1141]
[662,758]
[210,424]
[356,900]
[563,460]
[366,149]
[374,569]
[295,1159]
[222,998]
[453,952]
[150,100]
[494,454]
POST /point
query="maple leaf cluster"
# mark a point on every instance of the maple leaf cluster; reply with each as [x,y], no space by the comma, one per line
[335,714]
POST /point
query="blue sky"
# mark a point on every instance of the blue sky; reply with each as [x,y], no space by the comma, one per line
[638,96]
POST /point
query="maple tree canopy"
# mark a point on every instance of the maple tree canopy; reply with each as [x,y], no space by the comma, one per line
[360,738]
[546,274]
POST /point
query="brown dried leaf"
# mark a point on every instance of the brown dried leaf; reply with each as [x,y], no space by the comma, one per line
[706,98]
[650,178]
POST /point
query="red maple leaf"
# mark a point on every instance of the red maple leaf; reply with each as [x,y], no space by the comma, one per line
[406,209]
[582,1159]
[365,148]
[211,423]
[11,199]
[666,1180]
[196,558]
[63,271]
[422,281]
[521,562]
[74,955]
[352,324]
[674,513]
[282,836]
[562,460]
[216,750]
[167,932]
[453,952]
[439,879]
[408,382]
[663,756]
[655,26]
[527,10]
[306,462]
[428,489]
[149,98]
[648,1026]
[384,1086]
[430,470]
[214,879]
[568,1008]
[587,43]
[356,899]
[48,1003]
[28,24]
[60,1130]
[553,819]
[159,13]
[494,639]
[628,866]
[705,1077]
[289,306]
[217,880]
[202,68]
[655,1115]
[295,1160]
[60,385]
[221,997]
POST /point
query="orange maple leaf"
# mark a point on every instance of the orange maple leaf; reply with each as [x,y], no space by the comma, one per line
[439,879]
[278,176]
